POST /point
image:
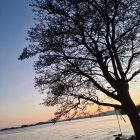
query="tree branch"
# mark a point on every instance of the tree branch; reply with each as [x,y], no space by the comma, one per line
[130,61]
[133,75]
[96,84]
[97,101]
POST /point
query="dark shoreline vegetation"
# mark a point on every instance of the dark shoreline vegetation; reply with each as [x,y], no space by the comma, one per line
[107,113]
[53,122]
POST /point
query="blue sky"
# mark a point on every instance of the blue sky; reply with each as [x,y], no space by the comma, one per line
[19,101]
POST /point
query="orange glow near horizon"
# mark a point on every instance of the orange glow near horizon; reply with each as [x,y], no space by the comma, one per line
[135,94]
[30,118]
[41,114]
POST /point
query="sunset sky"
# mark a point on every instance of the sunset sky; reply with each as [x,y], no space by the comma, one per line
[19,100]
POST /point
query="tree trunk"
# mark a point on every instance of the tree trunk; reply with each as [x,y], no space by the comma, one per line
[131,110]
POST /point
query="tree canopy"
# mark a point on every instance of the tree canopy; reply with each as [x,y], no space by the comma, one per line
[84,47]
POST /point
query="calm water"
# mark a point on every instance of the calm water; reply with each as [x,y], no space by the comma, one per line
[100,128]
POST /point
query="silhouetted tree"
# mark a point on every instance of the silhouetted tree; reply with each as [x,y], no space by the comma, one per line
[138,108]
[122,112]
[86,48]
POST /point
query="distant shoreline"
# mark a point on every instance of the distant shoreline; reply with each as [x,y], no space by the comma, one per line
[108,113]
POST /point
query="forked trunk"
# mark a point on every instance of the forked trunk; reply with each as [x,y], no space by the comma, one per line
[131,110]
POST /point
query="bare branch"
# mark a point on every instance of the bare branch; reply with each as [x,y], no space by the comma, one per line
[134,75]
[97,101]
